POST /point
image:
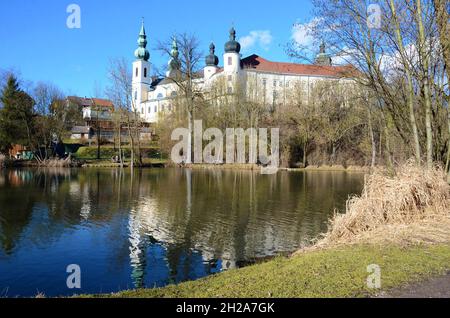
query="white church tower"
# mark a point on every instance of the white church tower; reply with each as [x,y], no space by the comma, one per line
[232,56]
[141,71]
[211,62]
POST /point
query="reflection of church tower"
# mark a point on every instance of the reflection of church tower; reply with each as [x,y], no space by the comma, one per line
[141,70]
[138,247]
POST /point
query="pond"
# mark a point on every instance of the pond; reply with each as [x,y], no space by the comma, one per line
[153,227]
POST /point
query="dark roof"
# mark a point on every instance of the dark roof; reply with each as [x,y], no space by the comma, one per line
[87,102]
[257,63]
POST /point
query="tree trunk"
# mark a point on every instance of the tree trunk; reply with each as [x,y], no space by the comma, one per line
[425,83]
[120,144]
[442,19]
[305,156]
[447,166]
[189,150]
[372,138]
[412,116]
[130,134]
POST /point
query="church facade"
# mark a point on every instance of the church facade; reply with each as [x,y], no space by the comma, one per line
[269,82]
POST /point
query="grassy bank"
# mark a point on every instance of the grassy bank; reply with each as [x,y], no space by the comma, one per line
[107,152]
[338,272]
[103,163]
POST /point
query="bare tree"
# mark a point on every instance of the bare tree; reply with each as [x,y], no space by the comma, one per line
[120,92]
[53,117]
[399,41]
[397,63]
[183,50]
[441,8]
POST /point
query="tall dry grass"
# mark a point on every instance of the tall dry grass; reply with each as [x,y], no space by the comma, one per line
[411,207]
[56,163]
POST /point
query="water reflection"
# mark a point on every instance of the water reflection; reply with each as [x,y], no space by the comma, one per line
[154,227]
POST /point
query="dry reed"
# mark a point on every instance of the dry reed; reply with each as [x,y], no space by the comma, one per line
[411,207]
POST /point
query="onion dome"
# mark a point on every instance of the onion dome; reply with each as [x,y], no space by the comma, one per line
[142,53]
[174,62]
[232,46]
[212,59]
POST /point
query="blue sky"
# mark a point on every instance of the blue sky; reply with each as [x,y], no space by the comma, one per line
[35,41]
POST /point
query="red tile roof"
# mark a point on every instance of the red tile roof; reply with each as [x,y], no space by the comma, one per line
[102,102]
[257,63]
[87,102]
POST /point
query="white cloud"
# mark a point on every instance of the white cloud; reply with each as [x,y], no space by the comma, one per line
[302,32]
[261,37]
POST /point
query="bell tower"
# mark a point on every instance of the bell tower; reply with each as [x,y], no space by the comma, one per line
[232,56]
[211,62]
[141,71]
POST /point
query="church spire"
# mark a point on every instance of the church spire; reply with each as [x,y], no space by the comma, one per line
[142,53]
[174,53]
[232,46]
[322,48]
[323,58]
[174,65]
[174,62]
[212,59]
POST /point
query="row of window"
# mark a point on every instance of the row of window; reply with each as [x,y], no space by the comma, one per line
[276,83]
[160,95]
[155,108]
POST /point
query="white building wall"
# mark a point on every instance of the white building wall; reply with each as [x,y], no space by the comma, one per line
[232,63]
[272,89]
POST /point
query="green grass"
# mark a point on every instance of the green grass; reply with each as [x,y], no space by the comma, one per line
[338,272]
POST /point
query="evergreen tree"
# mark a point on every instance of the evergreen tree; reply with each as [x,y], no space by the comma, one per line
[16,116]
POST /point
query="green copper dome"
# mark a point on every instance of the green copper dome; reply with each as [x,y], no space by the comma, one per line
[212,59]
[232,46]
[174,63]
[142,53]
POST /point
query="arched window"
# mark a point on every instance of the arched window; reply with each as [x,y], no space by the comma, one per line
[137,72]
[135,95]
[156,109]
[145,72]
[230,61]
[160,96]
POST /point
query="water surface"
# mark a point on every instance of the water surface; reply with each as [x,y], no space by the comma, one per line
[153,227]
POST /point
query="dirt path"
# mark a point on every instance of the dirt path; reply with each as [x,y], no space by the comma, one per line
[438,287]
